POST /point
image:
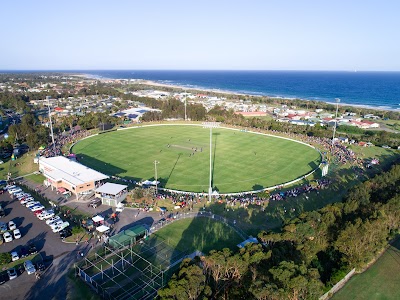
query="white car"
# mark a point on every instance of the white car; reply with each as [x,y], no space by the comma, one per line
[23,195]
[14,256]
[32,203]
[11,225]
[15,190]
[17,234]
[53,219]
[60,227]
[45,215]
[9,187]
[7,237]
[37,207]
[55,224]
[25,201]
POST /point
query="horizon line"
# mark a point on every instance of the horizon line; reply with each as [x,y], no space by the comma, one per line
[196,70]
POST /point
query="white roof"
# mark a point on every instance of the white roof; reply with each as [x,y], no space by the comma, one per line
[102,228]
[70,171]
[111,188]
[97,219]
[138,110]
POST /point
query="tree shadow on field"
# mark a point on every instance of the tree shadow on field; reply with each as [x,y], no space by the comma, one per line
[312,165]
[172,170]
[99,165]
[257,187]
[216,134]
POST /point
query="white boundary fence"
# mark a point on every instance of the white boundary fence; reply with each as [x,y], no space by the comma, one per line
[235,129]
[337,286]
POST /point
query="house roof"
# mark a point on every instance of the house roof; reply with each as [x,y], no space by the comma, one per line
[70,171]
[111,188]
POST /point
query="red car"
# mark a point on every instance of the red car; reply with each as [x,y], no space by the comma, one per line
[38,212]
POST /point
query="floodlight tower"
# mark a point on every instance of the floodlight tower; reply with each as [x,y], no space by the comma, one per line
[185,109]
[51,124]
[155,175]
[210,125]
[334,128]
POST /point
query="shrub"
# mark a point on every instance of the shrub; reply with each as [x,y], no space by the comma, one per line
[5,258]
[77,230]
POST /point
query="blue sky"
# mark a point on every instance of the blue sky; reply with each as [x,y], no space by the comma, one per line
[195,35]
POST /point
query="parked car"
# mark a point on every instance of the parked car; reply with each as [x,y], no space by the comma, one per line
[37,212]
[3,277]
[60,227]
[95,203]
[15,190]
[9,187]
[17,234]
[7,237]
[53,219]
[3,227]
[24,252]
[31,203]
[66,232]
[12,273]
[14,256]
[45,215]
[26,200]
[32,249]
[23,196]
[55,224]
[29,267]
[37,207]
[11,225]
[19,194]
[40,266]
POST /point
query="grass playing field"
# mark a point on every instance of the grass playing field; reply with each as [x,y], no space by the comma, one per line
[380,281]
[242,161]
[203,234]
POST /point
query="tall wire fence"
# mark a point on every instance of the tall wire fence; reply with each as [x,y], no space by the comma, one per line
[205,214]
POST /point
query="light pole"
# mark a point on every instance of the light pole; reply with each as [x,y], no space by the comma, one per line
[334,128]
[155,171]
[51,124]
[210,125]
[185,109]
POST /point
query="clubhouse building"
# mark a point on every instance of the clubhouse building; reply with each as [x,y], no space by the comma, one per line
[65,175]
[111,193]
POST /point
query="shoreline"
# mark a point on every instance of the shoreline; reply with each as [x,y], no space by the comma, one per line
[184,88]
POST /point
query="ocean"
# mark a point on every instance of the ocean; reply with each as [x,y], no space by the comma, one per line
[369,89]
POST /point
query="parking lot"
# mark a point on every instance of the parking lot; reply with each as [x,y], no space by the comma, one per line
[59,257]
[35,231]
